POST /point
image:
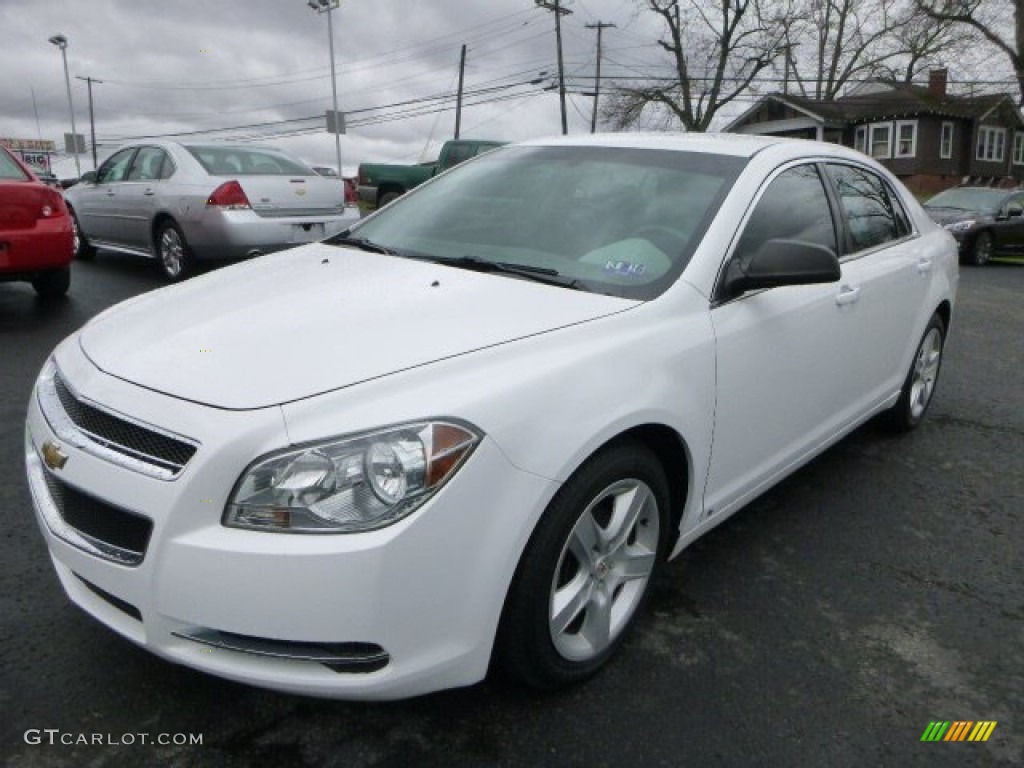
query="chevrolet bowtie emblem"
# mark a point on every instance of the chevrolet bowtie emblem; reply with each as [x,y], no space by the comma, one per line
[54,457]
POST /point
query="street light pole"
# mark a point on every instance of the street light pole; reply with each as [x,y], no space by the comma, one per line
[62,42]
[326,6]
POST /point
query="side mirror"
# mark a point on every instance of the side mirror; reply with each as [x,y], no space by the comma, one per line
[89,177]
[782,262]
[1014,211]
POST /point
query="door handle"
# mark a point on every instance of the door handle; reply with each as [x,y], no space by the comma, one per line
[848,294]
[149,193]
[110,193]
[924,264]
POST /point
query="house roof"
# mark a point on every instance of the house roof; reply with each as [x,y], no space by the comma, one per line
[893,101]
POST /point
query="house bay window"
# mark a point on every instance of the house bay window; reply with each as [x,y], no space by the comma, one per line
[991,144]
[946,141]
[880,141]
[860,139]
[1018,148]
[906,138]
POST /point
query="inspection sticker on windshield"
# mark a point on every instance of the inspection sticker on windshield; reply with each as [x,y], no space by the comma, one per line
[625,268]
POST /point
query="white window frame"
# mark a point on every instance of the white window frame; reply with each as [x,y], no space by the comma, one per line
[946,142]
[871,140]
[991,146]
[1018,148]
[860,138]
[897,140]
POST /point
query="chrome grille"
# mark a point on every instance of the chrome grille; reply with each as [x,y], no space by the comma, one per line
[140,447]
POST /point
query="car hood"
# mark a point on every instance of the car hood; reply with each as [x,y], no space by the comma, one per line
[952,215]
[316,318]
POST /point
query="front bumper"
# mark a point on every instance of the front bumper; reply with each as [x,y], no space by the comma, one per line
[385,614]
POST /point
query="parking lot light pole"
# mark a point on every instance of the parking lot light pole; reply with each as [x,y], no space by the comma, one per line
[326,6]
[62,42]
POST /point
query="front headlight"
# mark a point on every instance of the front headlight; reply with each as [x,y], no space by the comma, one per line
[351,484]
[960,227]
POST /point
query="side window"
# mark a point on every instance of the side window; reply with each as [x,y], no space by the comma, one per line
[115,168]
[146,166]
[867,206]
[167,168]
[793,207]
[902,219]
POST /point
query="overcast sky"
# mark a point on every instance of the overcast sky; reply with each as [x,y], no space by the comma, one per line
[191,65]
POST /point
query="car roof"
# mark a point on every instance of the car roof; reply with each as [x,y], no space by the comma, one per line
[736,144]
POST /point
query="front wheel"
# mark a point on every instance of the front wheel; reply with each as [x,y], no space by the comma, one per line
[982,250]
[587,569]
[84,250]
[172,252]
[919,386]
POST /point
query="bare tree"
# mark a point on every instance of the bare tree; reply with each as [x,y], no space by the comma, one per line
[987,18]
[836,42]
[715,49]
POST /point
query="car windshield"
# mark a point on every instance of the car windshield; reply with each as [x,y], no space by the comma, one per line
[968,199]
[10,170]
[620,221]
[238,161]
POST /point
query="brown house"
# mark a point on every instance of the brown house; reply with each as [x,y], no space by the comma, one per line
[931,139]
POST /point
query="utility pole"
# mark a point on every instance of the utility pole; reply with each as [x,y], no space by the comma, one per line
[559,11]
[92,119]
[458,101]
[62,42]
[597,78]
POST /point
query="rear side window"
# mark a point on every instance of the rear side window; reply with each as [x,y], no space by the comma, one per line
[236,161]
[146,166]
[793,207]
[870,211]
[10,170]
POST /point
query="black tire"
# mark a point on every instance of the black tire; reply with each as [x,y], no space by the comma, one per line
[529,647]
[53,284]
[84,250]
[172,251]
[981,251]
[922,378]
[388,197]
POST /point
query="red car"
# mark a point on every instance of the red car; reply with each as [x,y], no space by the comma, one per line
[36,232]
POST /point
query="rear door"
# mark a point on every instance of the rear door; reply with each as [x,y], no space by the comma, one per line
[139,193]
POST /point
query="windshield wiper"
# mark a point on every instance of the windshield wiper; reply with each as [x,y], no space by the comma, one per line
[362,243]
[544,275]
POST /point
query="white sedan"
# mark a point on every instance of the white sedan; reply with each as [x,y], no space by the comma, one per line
[471,428]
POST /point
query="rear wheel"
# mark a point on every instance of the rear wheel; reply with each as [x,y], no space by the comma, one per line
[587,569]
[54,284]
[982,250]
[172,251]
[919,386]
[388,197]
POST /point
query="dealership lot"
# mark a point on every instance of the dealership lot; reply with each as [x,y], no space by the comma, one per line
[875,591]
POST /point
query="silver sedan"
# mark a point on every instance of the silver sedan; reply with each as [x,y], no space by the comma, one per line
[182,202]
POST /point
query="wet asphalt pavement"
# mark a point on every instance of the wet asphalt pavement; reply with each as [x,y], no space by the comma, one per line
[876,590]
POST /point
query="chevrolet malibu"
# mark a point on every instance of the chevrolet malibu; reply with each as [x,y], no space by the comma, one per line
[467,432]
